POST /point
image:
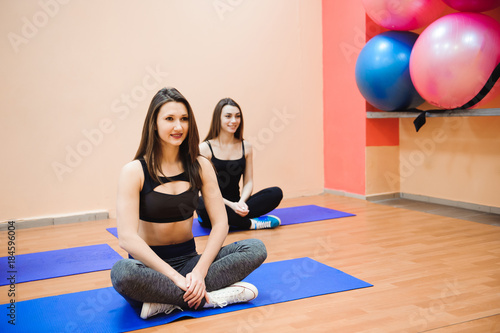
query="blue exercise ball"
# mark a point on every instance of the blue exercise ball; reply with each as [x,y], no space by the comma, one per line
[383,71]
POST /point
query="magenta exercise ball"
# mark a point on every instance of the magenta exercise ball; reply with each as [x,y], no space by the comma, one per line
[403,14]
[454,57]
[472,5]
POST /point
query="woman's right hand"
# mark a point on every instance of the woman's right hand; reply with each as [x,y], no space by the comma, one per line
[240,208]
[191,297]
[181,282]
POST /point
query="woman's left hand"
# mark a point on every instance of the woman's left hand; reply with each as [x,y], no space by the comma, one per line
[241,208]
[196,289]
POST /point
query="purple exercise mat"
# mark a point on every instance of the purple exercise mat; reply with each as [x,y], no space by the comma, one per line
[289,215]
[57,263]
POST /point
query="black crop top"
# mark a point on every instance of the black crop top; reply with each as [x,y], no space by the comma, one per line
[229,173]
[162,207]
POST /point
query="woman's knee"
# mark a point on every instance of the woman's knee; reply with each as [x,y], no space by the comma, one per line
[277,192]
[122,272]
[274,195]
[258,248]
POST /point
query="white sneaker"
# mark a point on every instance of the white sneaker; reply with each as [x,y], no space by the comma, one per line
[238,292]
[152,309]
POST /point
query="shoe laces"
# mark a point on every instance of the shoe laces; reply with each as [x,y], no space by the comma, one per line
[164,308]
[222,298]
[263,224]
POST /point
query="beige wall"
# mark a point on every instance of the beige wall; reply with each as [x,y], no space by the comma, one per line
[452,158]
[77,77]
[382,170]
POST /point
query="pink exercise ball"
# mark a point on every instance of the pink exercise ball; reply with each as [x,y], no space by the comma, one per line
[473,5]
[454,57]
[403,14]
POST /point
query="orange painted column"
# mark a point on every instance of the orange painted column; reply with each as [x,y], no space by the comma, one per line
[379,132]
[382,132]
[344,107]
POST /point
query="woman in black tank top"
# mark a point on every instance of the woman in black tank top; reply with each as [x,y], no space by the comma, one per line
[157,195]
[232,159]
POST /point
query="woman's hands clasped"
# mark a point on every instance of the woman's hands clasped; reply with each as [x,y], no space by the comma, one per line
[194,286]
[240,208]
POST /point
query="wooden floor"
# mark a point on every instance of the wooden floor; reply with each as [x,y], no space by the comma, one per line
[430,273]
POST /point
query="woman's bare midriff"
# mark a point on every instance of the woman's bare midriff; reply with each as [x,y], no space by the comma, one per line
[155,234]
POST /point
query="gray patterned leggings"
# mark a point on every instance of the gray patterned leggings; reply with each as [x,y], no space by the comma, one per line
[138,283]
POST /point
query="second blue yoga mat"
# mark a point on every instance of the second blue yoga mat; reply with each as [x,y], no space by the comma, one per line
[288,215]
[57,263]
[104,311]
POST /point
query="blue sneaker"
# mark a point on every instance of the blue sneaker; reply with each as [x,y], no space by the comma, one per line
[265,222]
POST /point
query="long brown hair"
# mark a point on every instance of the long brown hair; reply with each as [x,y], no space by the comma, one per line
[215,125]
[150,146]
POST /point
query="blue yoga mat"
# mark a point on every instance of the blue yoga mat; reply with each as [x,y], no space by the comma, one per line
[289,215]
[51,264]
[104,310]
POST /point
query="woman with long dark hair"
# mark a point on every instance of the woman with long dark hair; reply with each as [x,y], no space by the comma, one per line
[157,194]
[231,156]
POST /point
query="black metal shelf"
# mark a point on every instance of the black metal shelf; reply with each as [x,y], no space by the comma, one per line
[408,114]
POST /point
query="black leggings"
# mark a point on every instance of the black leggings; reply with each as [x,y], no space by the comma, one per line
[258,204]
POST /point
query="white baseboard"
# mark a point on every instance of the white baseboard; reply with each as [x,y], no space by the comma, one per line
[345,194]
[452,203]
[56,220]
[374,197]
[417,197]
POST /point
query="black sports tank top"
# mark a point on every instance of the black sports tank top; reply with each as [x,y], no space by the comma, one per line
[161,207]
[229,173]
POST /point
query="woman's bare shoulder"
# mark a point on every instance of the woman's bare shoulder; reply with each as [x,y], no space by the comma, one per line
[248,146]
[132,171]
[205,149]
